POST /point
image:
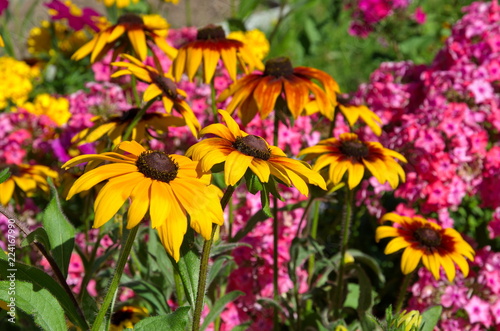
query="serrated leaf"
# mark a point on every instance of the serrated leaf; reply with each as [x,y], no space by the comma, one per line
[176,321]
[37,302]
[42,280]
[40,235]
[4,175]
[430,318]
[60,232]
[219,306]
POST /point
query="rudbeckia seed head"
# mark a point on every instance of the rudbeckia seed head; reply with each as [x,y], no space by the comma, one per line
[127,116]
[211,32]
[253,146]
[166,85]
[355,149]
[130,19]
[157,165]
[279,67]
[428,237]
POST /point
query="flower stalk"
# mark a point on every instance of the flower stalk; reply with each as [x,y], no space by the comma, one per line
[115,281]
[205,255]
[346,224]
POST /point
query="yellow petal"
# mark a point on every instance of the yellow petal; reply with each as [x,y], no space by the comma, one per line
[138,40]
[210,60]
[116,33]
[171,235]
[410,259]
[385,232]
[235,167]
[194,57]
[140,198]
[261,169]
[7,189]
[395,245]
[229,58]
[112,196]
[160,204]
[179,64]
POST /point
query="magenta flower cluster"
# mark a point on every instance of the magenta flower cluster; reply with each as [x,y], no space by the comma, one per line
[444,116]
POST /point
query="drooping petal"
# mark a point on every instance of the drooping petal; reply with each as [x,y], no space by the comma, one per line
[137,38]
[160,205]
[235,167]
[140,198]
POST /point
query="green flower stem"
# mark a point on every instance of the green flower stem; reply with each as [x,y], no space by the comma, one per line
[205,255]
[276,295]
[179,288]
[53,264]
[214,102]
[403,292]
[136,119]
[122,261]
[312,259]
[137,99]
[346,224]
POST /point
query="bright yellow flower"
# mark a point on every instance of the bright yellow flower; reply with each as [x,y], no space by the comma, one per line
[115,127]
[28,178]
[40,38]
[160,85]
[240,151]
[57,109]
[172,1]
[169,186]
[411,320]
[255,40]
[259,92]
[351,155]
[2,44]
[211,45]
[118,3]
[126,317]
[131,31]
[16,81]
[427,242]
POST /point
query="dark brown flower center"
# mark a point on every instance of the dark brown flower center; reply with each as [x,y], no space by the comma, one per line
[428,237]
[278,67]
[354,148]
[126,116]
[166,85]
[253,146]
[120,316]
[130,19]
[211,32]
[157,165]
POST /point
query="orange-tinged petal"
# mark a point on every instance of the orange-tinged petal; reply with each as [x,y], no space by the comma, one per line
[266,93]
[99,45]
[171,235]
[296,94]
[160,204]
[212,158]
[220,130]
[170,51]
[132,147]
[231,123]
[85,49]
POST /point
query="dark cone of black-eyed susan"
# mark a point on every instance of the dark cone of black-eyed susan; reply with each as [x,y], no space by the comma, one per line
[210,46]
[351,155]
[169,186]
[258,92]
[131,31]
[240,151]
[427,242]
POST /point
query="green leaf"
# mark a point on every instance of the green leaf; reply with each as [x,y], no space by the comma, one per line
[369,262]
[365,300]
[35,301]
[219,306]
[242,327]
[247,7]
[189,267]
[176,321]
[4,175]
[60,231]
[150,293]
[39,235]
[252,182]
[40,279]
[430,318]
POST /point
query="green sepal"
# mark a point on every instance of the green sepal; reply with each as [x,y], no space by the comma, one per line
[4,175]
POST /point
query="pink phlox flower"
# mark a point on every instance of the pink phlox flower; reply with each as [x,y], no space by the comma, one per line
[478,311]
[77,18]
